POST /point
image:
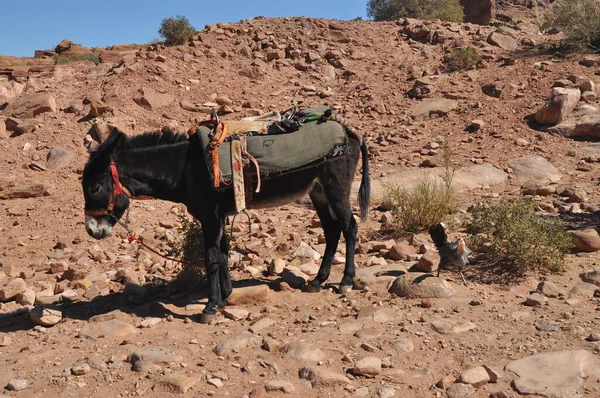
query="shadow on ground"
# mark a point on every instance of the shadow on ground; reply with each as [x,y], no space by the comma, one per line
[155,302]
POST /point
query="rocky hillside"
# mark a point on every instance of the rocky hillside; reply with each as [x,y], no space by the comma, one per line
[120,331]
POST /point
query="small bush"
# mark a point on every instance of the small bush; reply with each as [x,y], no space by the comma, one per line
[425,204]
[63,59]
[579,20]
[462,59]
[190,248]
[387,10]
[516,239]
[176,30]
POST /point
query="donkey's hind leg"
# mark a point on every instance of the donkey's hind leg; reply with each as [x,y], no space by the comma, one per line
[332,203]
[332,231]
[224,277]
[213,231]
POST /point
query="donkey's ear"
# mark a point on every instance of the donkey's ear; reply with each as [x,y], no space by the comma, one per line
[112,142]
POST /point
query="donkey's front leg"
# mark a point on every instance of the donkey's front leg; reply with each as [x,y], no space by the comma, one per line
[213,231]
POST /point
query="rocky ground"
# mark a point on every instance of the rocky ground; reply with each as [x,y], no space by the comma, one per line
[80,317]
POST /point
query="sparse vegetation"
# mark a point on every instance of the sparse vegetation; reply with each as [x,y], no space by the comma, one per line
[176,30]
[190,247]
[93,56]
[462,59]
[579,20]
[387,10]
[427,203]
[516,239]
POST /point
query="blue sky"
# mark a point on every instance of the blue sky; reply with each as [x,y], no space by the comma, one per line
[41,24]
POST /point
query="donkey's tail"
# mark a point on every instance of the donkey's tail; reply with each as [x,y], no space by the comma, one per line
[364,192]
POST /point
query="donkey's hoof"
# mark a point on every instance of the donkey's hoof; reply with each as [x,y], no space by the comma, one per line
[310,288]
[345,288]
[207,319]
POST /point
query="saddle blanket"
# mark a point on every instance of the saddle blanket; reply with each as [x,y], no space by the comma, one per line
[278,152]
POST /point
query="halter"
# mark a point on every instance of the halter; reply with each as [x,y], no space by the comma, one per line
[118,190]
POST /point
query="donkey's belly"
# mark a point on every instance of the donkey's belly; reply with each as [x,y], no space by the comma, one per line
[285,189]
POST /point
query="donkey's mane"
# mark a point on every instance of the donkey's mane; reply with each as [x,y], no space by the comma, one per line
[153,139]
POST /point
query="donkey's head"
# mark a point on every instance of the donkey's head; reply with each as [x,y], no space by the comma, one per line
[105,198]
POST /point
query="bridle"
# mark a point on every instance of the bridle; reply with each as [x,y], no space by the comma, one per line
[118,190]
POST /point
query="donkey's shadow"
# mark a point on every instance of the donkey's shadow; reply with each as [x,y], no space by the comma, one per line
[159,300]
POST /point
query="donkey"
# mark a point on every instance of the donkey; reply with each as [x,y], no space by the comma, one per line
[171,167]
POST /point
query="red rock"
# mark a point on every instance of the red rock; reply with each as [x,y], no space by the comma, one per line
[29,106]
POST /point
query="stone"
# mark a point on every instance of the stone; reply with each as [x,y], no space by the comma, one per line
[477,11]
[368,367]
[584,290]
[249,295]
[304,250]
[276,267]
[191,107]
[460,390]
[9,91]
[403,345]
[174,384]
[420,285]
[562,102]
[109,316]
[154,355]
[31,105]
[554,374]
[98,109]
[503,41]
[386,392]
[534,167]
[59,158]
[216,382]
[261,325]
[432,108]
[107,329]
[549,289]
[80,369]
[429,261]
[452,326]
[45,316]
[477,377]
[584,121]
[294,277]
[5,340]
[591,277]
[401,251]
[586,240]
[322,377]
[16,385]
[236,314]
[303,351]
[11,289]
[535,300]
[150,99]
[279,385]
[237,342]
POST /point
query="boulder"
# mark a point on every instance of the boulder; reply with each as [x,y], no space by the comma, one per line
[432,108]
[151,99]
[420,285]
[29,106]
[584,121]
[9,91]
[477,11]
[59,158]
[503,41]
[586,240]
[534,167]
[562,102]
[554,374]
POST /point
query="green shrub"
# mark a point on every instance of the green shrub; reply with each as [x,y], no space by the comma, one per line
[579,20]
[425,204]
[462,59]
[189,247]
[387,10]
[176,30]
[63,59]
[516,239]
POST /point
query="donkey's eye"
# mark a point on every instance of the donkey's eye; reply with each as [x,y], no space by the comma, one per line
[95,190]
